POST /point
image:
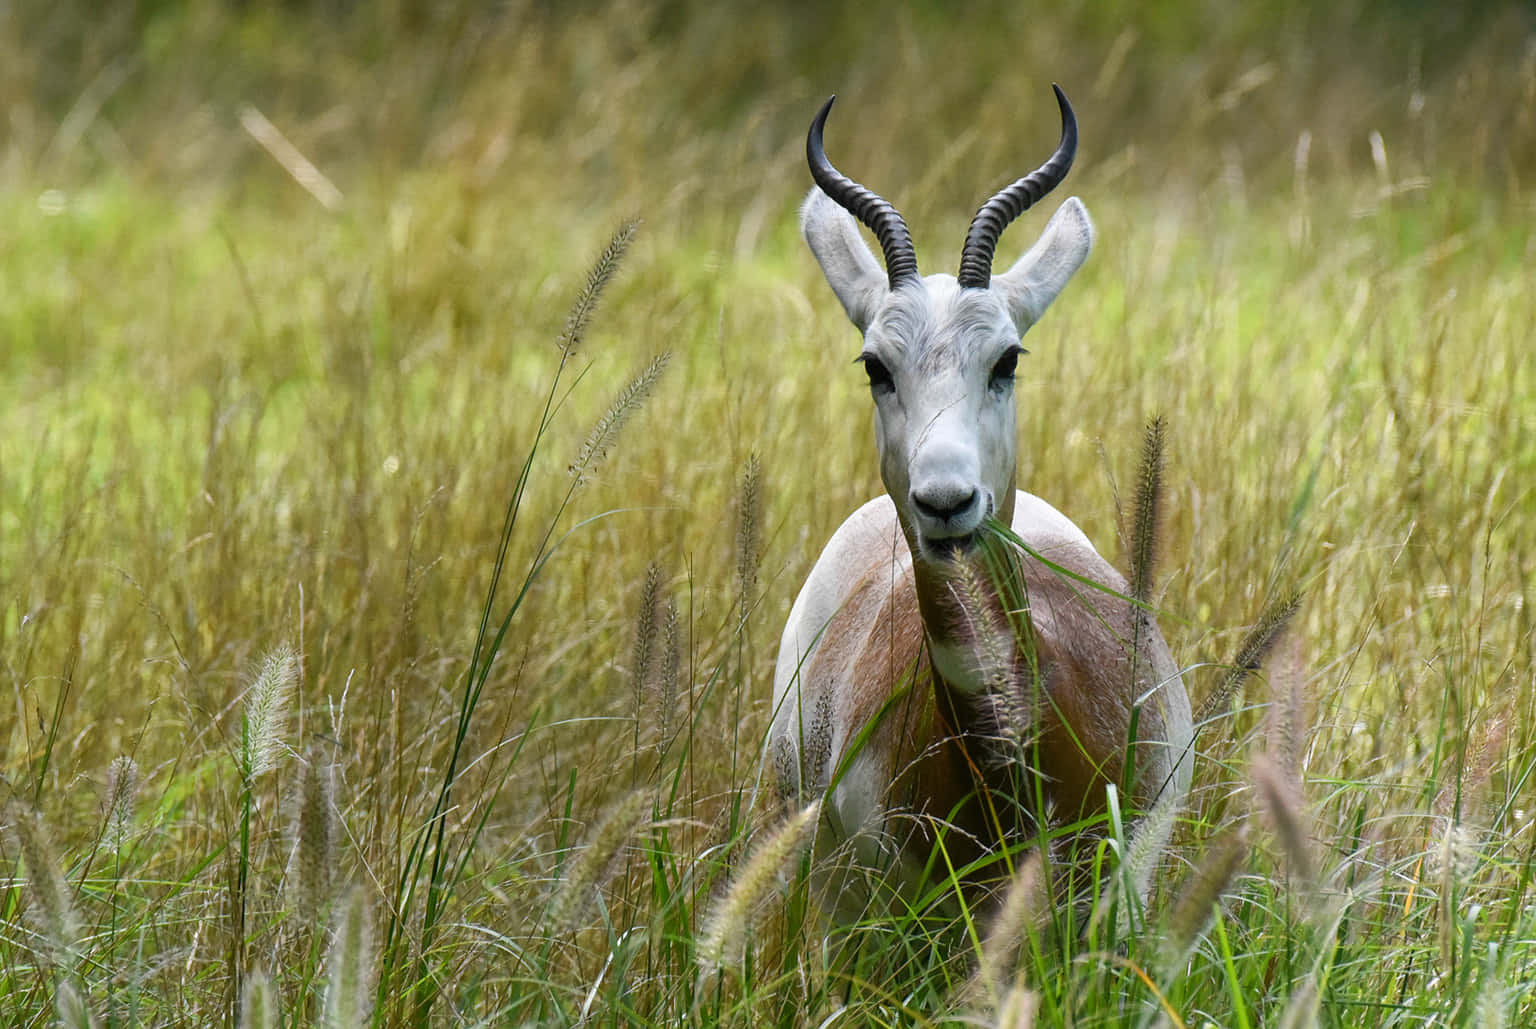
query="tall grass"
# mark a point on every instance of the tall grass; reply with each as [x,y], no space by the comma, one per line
[532,622]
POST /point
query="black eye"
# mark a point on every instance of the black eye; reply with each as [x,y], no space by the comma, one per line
[880,380]
[1003,371]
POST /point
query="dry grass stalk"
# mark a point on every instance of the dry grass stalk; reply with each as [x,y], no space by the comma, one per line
[598,277]
[292,160]
[729,928]
[598,861]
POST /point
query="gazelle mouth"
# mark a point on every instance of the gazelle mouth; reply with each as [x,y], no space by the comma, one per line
[950,548]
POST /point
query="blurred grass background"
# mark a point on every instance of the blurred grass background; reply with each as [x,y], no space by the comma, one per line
[238,411]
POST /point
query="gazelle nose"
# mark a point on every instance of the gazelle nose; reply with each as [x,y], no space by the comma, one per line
[946,502]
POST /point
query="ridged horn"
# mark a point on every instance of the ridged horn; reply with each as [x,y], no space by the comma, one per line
[1011,201]
[889,227]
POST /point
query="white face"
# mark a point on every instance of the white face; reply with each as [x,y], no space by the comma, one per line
[941,364]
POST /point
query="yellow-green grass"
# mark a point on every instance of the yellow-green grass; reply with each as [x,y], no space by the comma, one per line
[234,421]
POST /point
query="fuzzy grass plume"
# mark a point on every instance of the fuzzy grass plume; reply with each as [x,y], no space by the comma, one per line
[1023,912]
[50,899]
[349,985]
[267,701]
[669,678]
[611,425]
[1196,906]
[119,799]
[1250,657]
[314,835]
[72,1008]
[598,277]
[749,530]
[258,1002]
[1281,801]
[641,672]
[598,861]
[728,929]
[1148,516]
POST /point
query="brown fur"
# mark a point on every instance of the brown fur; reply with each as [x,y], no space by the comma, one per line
[938,747]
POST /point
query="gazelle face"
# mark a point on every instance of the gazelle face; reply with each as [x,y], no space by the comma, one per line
[941,360]
[941,351]
[941,363]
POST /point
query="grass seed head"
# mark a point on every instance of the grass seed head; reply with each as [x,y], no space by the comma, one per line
[119,798]
[349,987]
[645,637]
[1250,654]
[1192,914]
[258,1005]
[50,899]
[671,671]
[71,1007]
[1280,800]
[749,517]
[1023,912]
[729,927]
[1148,517]
[1286,722]
[611,425]
[1149,837]
[315,833]
[598,861]
[1018,1009]
[598,276]
[266,709]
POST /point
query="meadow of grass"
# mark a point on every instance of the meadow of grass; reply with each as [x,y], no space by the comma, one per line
[387,628]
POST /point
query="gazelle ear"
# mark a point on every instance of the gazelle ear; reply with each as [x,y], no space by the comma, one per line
[1034,280]
[849,265]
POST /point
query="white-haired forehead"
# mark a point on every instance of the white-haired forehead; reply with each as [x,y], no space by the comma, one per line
[934,324]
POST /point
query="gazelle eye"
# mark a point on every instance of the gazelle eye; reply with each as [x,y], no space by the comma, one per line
[880,380]
[1003,371]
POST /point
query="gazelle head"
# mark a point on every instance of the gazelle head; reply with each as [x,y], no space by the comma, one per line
[941,350]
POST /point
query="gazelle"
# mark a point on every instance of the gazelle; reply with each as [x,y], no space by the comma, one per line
[897,673]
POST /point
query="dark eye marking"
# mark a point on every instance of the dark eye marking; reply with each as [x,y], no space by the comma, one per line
[880,380]
[1003,371]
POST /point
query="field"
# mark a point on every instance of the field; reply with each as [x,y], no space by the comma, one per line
[391,576]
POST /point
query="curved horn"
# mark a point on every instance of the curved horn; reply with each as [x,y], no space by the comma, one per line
[1011,201]
[870,208]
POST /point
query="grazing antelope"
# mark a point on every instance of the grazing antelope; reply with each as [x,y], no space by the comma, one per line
[894,682]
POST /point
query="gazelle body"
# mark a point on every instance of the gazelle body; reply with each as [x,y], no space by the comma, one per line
[901,665]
